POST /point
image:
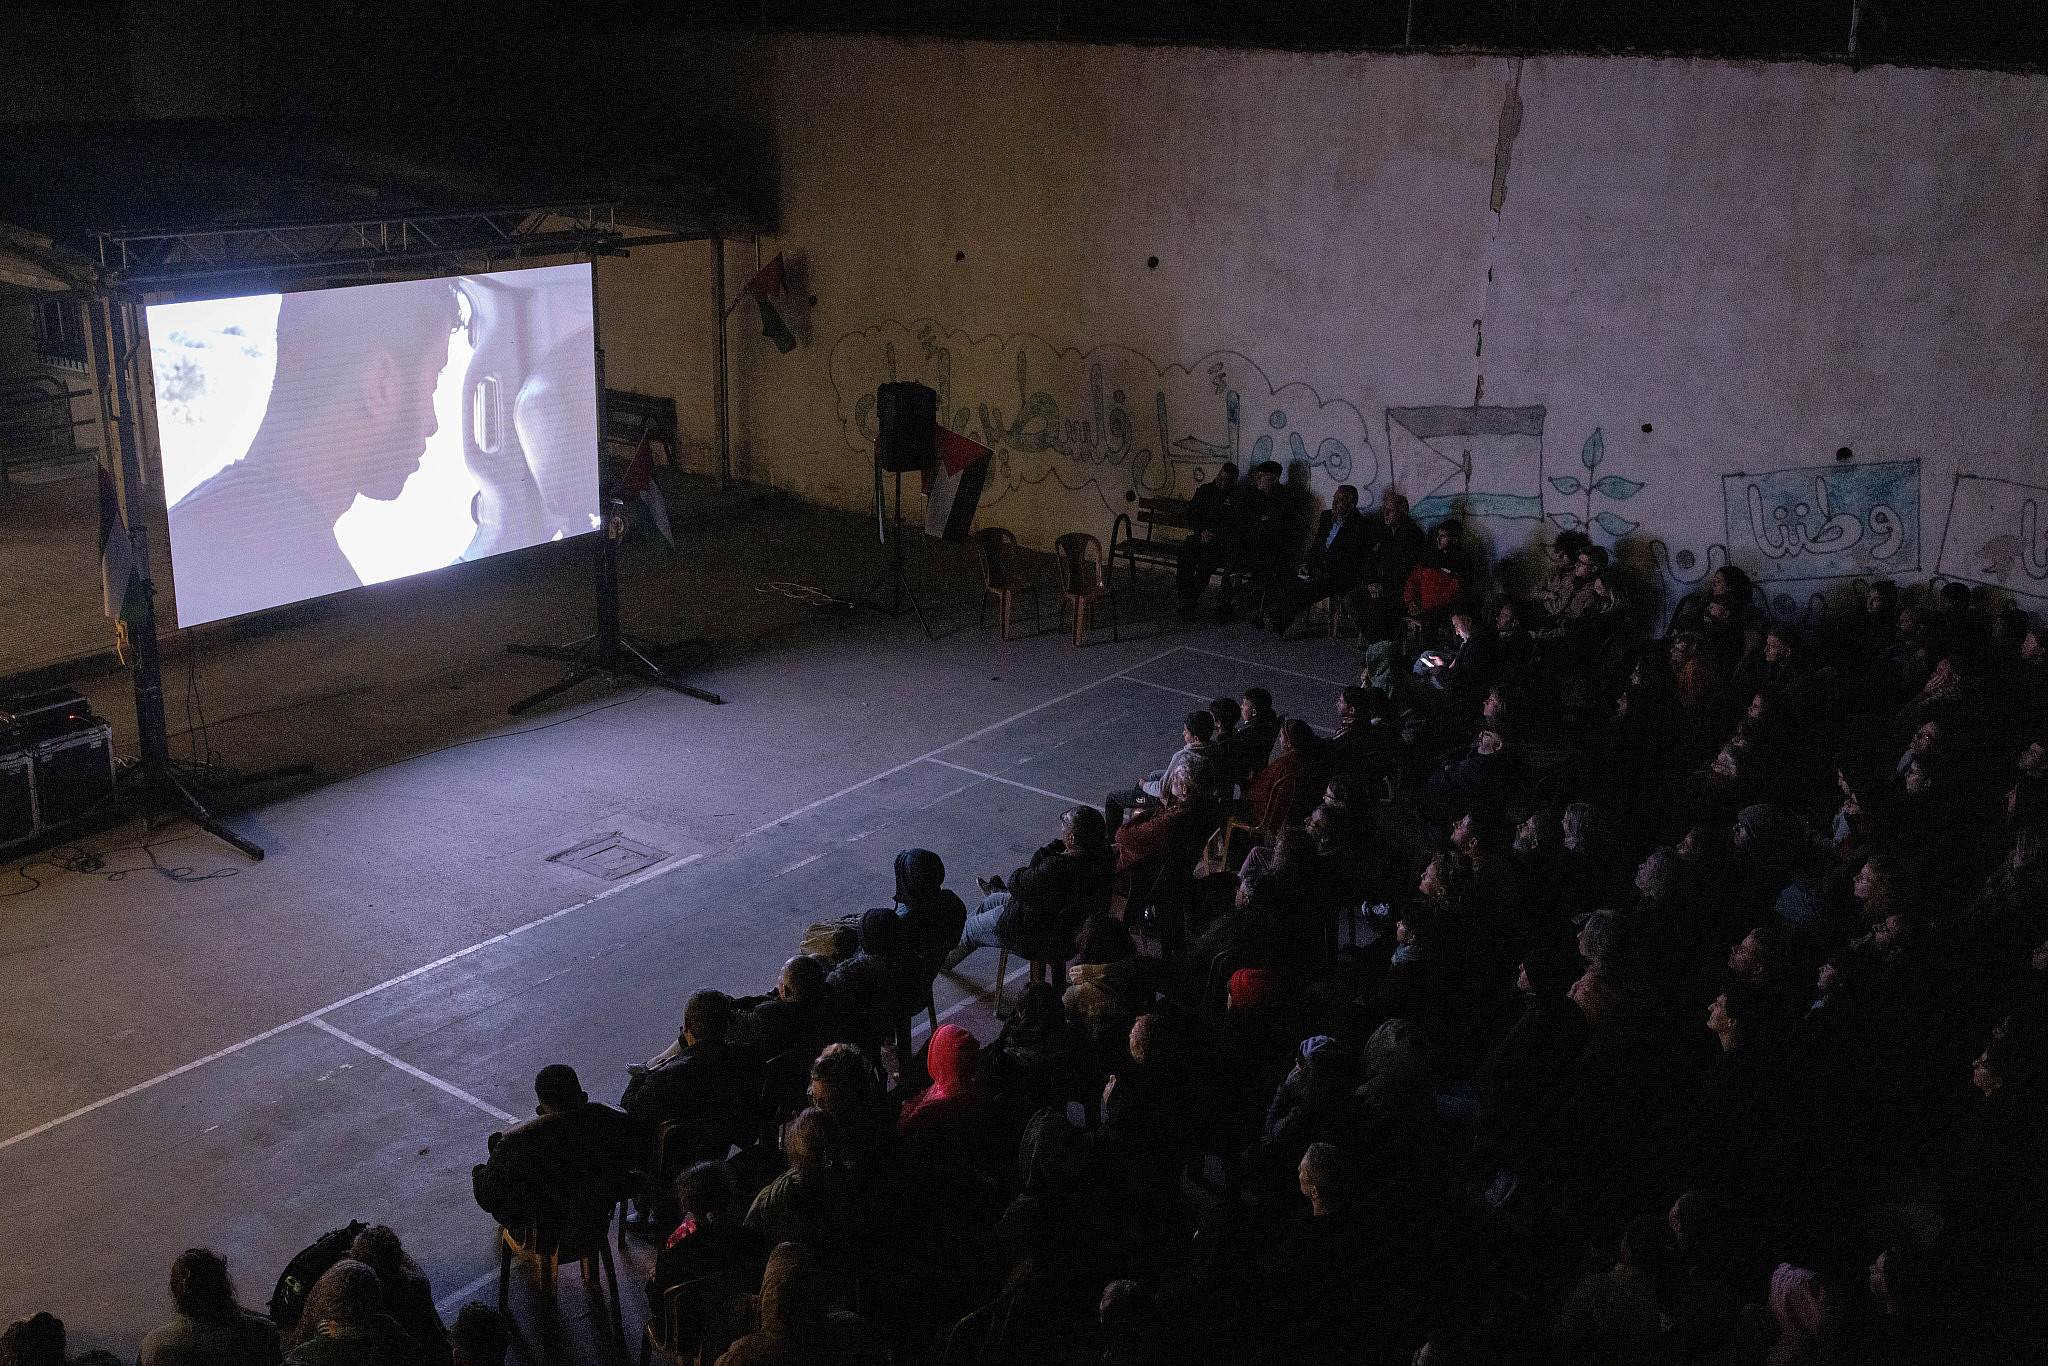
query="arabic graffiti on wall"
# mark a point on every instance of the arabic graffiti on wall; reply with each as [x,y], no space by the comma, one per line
[1995,535]
[1111,418]
[1824,521]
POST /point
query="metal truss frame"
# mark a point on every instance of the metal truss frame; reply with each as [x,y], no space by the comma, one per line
[371,246]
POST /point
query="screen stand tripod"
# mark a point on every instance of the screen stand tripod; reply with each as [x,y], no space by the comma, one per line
[894,578]
[610,652]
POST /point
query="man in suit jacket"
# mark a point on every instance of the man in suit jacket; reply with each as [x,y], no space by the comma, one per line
[1338,558]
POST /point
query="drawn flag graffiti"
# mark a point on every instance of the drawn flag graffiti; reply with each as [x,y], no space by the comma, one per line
[1824,521]
[1995,535]
[1472,462]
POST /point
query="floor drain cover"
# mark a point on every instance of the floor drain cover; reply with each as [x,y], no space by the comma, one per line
[610,857]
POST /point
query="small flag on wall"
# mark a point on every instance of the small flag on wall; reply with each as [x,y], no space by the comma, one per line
[649,511]
[953,488]
[125,596]
[767,281]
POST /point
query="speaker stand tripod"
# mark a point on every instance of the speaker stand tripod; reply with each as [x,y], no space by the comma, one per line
[895,578]
[610,652]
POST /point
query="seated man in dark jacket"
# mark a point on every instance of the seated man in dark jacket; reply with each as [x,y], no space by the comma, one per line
[705,1085]
[795,1017]
[1339,555]
[1036,914]
[575,1157]
[1207,548]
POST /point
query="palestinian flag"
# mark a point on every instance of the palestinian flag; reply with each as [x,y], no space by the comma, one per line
[953,488]
[649,511]
[125,596]
[768,281]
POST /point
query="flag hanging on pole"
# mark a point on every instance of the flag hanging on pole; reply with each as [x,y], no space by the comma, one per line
[124,596]
[649,511]
[953,487]
[768,281]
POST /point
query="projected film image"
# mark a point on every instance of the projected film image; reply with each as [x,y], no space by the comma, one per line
[327,439]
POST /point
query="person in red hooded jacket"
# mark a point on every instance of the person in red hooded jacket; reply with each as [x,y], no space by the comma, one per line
[948,1114]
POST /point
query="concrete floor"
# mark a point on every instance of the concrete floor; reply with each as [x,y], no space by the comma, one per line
[247,1055]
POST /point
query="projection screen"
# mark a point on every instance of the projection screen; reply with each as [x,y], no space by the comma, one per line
[326,439]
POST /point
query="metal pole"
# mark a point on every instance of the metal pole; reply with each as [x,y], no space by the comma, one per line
[153,736]
[721,413]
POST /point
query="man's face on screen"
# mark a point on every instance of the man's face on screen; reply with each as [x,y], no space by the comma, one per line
[398,398]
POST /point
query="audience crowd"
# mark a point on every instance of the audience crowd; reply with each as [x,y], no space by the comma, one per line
[1566,994]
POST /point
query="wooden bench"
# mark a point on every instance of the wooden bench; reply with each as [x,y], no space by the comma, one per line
[1153,514]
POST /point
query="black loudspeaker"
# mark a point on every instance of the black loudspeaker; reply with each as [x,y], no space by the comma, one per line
[74,770]
[909,416]
[17,797]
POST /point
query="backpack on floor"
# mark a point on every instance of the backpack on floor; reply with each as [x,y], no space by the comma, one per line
[288,1301]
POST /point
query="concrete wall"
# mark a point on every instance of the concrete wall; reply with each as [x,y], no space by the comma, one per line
[1695,270]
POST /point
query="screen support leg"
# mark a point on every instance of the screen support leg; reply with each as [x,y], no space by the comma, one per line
[609,652]
[167,791]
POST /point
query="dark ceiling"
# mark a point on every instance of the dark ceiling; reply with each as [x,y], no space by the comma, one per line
[1999,33]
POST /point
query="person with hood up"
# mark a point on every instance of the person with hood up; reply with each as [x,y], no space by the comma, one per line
[932,916]
[878,987]
[798,1327]
[948,1115]
[344,1323]
[1311,1105]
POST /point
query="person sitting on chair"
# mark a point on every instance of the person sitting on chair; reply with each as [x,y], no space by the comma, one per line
[1068,878]
[574,1154]
[1207,548]
[1198,737]
[1165,833]
[701,1084]
[931,915]
[796,1016]
[709,1241]
[1336,563]
[1251,749]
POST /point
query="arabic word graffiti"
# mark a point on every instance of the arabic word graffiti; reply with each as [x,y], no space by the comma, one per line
[1824,521]
[1112,416]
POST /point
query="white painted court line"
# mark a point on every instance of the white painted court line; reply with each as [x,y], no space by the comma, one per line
[1011,782]
[454,1300]
[954,744]
[1163,688]
[402,1065]
[801,863]
[645,875]
[1256,664]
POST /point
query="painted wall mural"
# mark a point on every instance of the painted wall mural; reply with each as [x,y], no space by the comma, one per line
[1824,521]
[1995,535]
[1111,419]
[1468,461]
